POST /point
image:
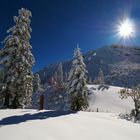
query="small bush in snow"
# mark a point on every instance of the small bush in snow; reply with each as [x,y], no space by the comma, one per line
[134,94]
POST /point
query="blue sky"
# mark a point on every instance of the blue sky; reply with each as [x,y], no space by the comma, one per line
[58,25]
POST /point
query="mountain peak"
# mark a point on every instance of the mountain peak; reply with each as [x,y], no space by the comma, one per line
[106,58]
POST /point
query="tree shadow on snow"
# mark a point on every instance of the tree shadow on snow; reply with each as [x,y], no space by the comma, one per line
[103,87]
[38,116]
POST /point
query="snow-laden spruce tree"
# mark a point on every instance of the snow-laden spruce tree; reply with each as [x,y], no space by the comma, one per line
[101,77]
[37,91]
[6,80]
[89,80]
[76,85]
[60,72]
[1,87]
[57,78]
[65,76]
[17,61]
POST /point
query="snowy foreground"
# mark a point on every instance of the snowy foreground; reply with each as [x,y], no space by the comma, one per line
[52,125]
[57,125]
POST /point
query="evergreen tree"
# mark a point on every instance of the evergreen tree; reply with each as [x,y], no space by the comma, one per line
[36,83]
[76,85]
[58,77]
[65,77]
[90,80]
[60,72]
[6,79]
[37,90]
[2,87]
[101,77]
[55,79]
[17,61]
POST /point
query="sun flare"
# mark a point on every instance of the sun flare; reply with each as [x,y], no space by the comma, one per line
[126,29]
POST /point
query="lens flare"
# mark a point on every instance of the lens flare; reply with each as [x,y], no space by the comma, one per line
[126,29]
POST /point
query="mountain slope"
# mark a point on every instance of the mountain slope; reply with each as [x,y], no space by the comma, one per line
[121,65]
[102,98]
[106,99]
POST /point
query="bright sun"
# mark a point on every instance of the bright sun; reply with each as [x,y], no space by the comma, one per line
[126,29]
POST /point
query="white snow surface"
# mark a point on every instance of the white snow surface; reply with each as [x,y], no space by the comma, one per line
[108,100]
[15,125]
[26,124]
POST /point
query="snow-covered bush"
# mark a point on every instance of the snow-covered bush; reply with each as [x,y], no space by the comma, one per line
[134,94]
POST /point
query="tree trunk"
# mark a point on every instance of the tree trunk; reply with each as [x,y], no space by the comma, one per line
[41,102]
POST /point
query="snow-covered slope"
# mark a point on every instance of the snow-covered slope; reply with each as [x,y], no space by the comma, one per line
[51,125]
[106,99]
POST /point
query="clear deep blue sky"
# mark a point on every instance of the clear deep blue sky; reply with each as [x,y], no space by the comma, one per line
[58,25]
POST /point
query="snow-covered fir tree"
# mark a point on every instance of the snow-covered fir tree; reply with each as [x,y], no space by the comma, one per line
[60,72]
[58,76]
[76,85]
[1,87]
[55,78]
[37,91]
[17,61]
[65,77]
[56,90]
[101,77]
[36,83]
[6,80]
[90,80]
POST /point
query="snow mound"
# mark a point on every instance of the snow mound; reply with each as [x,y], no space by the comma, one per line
[53,125]
[106,99]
